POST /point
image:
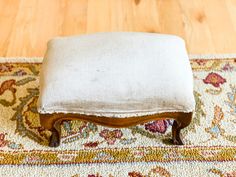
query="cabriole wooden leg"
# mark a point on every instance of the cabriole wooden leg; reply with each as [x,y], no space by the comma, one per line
[176,133]
[52,123]
[180,123]
[54,140]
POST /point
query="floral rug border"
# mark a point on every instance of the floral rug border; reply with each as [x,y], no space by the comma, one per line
[116,155]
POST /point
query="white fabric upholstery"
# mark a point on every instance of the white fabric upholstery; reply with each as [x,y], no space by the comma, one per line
[119,74]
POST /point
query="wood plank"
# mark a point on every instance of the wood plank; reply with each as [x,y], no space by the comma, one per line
[208,26]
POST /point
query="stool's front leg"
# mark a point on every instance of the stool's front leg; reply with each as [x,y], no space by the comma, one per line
[180,123]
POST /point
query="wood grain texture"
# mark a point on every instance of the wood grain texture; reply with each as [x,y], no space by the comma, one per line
[208,26]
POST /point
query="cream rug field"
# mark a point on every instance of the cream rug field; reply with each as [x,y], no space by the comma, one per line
[140,151]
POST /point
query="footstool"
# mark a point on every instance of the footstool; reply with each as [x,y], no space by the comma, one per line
[116,79]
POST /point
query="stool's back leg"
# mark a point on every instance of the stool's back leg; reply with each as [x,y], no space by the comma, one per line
[52,123]
[180,123]
[56,135]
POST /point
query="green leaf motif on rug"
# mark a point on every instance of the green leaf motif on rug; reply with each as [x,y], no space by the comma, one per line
[77,129]
[230,138]
[9,85]
[232,99]
[33,70]
[24,81]
[215,65]
[18,116]
[8,103]
[197,115]
[126,141]
[141,131]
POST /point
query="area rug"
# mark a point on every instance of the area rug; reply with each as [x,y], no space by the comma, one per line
[95,151]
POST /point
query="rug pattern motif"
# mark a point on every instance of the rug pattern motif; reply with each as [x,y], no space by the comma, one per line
[211,136]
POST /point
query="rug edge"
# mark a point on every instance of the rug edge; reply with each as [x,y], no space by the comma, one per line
[191,57]
[21,59]
[212,56]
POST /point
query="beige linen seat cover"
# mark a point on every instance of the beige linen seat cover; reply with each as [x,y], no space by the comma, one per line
[117,74]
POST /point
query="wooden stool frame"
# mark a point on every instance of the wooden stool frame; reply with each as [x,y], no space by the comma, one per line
[53,121]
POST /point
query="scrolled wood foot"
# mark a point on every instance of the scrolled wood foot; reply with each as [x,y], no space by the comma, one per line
[52,123]
[54,140]
[179,124]
[176,134]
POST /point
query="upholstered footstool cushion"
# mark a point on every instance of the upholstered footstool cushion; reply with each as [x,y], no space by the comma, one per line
[118,74]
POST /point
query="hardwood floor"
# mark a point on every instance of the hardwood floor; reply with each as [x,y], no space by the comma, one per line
[208,26]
